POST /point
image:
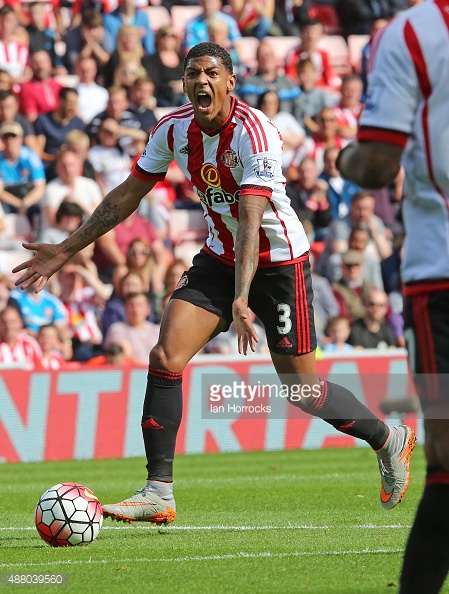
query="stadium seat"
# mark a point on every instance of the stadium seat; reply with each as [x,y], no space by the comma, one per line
[158,17]
[328,16]
[186,225]
[356,43]
[281,46]
[338,51]
[180,15]
[246,48]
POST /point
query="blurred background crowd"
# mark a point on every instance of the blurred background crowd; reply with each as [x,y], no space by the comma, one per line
[82,84]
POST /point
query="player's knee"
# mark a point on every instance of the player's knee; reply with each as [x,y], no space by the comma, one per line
[160,358]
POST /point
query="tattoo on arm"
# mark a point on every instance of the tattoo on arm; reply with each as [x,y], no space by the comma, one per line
[247,244]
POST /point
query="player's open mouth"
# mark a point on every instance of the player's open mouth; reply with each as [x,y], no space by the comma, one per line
[204,101]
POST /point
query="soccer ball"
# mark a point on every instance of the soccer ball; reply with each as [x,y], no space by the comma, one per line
[67,515]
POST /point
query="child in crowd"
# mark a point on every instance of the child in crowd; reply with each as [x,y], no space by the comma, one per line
[338,330]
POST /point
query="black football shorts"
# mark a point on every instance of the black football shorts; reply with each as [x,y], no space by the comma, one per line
[280,296]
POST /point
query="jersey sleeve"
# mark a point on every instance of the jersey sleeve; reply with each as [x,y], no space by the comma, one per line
[261,154]
[392,98]
[157,156]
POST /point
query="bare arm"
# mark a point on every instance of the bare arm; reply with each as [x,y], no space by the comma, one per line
[115,207]
[370,164]
[251,210]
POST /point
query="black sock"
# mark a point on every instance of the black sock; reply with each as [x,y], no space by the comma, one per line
[426,561]
[162,412]
[340,408]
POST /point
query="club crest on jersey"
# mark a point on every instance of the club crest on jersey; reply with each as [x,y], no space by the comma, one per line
[266,168]
[182,281]
[209,174]
[229,158]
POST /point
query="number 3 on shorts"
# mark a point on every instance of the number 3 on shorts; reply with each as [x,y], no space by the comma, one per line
[284,318]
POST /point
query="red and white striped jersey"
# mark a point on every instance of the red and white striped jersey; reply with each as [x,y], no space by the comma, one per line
[14,57]
[408,106]
[348,117]
[242,157]
[26,350]
[81,314]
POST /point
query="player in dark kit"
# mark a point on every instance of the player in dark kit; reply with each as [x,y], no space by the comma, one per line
[256,256]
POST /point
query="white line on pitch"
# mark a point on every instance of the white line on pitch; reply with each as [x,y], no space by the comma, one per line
[240,555]
[235,528]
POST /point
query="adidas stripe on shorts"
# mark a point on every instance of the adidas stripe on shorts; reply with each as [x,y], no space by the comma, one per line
[280,296]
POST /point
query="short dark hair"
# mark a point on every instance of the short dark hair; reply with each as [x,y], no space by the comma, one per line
[7,93]
[91,19]
[207,48]
[69,209]
[66,91]
[6,9]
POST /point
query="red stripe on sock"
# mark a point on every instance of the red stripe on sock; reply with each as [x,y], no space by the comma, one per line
[344,428]
[319,402]
[440,477]
[163,373]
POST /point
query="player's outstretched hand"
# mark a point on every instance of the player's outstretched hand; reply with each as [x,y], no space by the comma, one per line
[47,259]
[246,334]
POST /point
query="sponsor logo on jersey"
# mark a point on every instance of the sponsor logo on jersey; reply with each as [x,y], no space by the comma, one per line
[217,196]
[229,158]
[209,174]
[182,281]
[185,150]
[266,169]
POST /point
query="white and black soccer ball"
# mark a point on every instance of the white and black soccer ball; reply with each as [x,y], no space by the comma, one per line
[67,515]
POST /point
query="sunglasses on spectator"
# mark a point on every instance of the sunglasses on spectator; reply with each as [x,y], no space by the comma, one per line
[143,252]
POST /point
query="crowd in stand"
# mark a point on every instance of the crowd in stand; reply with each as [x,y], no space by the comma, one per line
[82,84]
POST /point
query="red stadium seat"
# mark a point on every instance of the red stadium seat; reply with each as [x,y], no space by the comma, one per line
[338,51]
[180,15]
[328,16]
[158,17]
[246,48]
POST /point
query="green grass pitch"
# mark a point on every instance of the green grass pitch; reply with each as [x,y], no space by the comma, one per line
[277,522]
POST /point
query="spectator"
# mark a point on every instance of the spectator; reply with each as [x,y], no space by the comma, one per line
[127,14]
[51,347]
[142,99]
[82,293]
[91,97]
[218,31]
[254,17]
[69,217]
[350,106]
[291,15]
[358,241]
[325,305]
[79,143]
[42,37]
[114,310]
[351,291]
[16,346]
[112,166]
[338,330]
[40,94]
[14,52]
[22,173]
[340,191]
[129,47]
[88,40]
[308,198]
[196,29]
[165,67]
[311,33]
[357,16]
[315,145]
[52,128]
[292,133]
[372,331]
[312,99]
[69,185]
[267,78]
[6,81]
[38,309]
[117,109]
[136,335]
[140,259]
[361,215]
[9,113]
[127,72]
